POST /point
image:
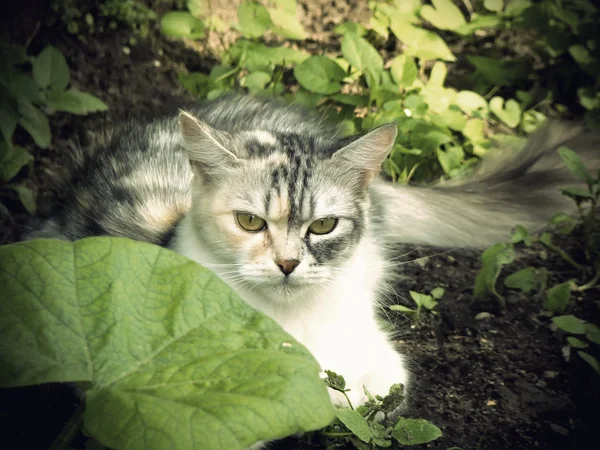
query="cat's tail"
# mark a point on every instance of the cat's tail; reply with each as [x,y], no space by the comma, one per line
[507,189]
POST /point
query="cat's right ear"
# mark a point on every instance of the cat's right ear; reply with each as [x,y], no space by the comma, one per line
[209,150]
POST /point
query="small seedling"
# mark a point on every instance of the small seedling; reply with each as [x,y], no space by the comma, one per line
[429,302]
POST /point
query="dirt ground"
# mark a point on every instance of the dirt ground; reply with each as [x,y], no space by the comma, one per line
[496,382]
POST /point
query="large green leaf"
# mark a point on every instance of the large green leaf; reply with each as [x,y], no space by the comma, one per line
[320,74]
[50,69]
[174,358]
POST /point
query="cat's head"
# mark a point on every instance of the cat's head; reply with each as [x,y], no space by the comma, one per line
[285,211]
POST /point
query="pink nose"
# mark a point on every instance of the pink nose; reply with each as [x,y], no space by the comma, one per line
[287,266]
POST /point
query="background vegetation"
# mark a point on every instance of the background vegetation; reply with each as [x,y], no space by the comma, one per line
[458,77]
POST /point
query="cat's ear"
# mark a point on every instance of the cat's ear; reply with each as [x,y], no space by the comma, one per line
[368,152]
[209,150]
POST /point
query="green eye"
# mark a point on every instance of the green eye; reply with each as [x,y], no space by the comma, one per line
[250,222]
[323,226]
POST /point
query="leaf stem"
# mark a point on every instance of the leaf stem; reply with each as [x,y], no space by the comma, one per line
[69,430]
[334,434]
[563,255]
[589,284]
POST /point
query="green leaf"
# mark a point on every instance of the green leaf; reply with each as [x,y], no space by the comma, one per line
[415,431]
[76,102]
[9,114]
[421,43]
[509,113]
[320,74]
[472,103]
[335,381]
[521,235]
[454,118]
[181,24]
[437,292]
[402,309]
[355,423]
[257,81]
[526,280]
[494,5]
[172,355]
[50,69]
[423,300]
[404,71]
[360,54]
[478,22]
[570,324]
[593,362]
[350,27]
[35,122]
[565,224]
[12,159]
[287,25]
[558,297]
[576,343]
[575,165]
[492,260]
[26,197]
[444,14]
[450,158]
[592,332]
[254,19]
[196,82]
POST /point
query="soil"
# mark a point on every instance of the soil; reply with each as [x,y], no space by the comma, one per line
[495,380]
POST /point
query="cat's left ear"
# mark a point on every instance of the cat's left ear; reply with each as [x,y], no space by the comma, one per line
[368,152]
[210,150]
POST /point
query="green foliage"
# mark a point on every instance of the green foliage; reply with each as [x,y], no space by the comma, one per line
[158,342]
[557,298]
[442,130]
[32,87]
[366,428]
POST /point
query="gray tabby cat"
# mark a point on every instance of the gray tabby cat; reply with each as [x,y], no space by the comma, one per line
[294,217]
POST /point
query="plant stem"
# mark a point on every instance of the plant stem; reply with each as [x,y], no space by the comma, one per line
[69,430]
[348,400]
[563,255]
[589,284]
[334,434]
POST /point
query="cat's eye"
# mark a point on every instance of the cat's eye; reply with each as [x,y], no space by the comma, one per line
[250,222]
[323,226]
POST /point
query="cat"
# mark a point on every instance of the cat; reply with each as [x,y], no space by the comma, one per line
[295,217]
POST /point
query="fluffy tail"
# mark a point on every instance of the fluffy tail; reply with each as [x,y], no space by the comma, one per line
[505,190]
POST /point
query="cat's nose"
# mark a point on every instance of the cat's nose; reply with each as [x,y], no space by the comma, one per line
[287,266]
